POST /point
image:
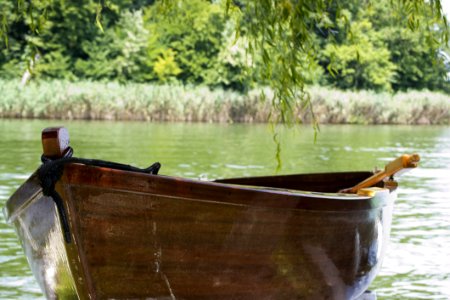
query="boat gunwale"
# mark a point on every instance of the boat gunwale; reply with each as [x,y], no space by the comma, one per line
[17,203]
[186,189]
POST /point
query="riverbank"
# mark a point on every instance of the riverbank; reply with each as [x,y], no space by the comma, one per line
[112,101]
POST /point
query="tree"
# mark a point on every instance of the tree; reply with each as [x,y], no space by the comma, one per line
[362,61]
[192,32]
[377,51]
[124,52]
[414,52]
[281,32]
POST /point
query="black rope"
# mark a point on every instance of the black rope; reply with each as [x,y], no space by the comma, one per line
[52,169]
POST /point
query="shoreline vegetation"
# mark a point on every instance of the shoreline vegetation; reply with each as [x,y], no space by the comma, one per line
[86,100]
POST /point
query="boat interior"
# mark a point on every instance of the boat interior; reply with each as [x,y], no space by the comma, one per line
[320,182]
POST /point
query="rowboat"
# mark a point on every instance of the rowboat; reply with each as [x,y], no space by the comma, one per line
[98,230]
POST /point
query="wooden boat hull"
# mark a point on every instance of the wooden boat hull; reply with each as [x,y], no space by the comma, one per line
[137,236]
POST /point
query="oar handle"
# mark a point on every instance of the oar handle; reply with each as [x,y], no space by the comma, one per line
[397,166]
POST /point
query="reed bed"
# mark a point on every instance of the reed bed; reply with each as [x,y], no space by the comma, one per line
[176,103]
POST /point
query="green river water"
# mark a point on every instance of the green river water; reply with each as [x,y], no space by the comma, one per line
[417,261]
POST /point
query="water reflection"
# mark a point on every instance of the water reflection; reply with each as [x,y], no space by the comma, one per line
[417,263]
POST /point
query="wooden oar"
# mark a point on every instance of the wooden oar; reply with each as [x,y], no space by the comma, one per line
[396,167]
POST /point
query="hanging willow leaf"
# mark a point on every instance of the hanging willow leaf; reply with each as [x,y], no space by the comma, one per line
[98,16]
[4,30]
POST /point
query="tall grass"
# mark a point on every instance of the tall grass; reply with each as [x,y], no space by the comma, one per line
[112,101]
[365,107]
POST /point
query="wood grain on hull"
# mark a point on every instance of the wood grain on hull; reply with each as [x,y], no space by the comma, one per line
[146,236]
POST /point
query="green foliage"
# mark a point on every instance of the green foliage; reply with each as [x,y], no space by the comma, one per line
[193,31]
[383,46]
[124,52]
[53,65]
[295,34]
[284,42]
[361,61]
[234,68]
[418,66]
[374,46]
[166,67]
[413,51]
[49,36]
[136,42]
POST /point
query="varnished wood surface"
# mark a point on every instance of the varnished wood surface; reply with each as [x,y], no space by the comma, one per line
[138,236]
[144,236]
[55,141]
[255,195]
[396,167]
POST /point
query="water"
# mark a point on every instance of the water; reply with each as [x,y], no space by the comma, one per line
[417,263]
